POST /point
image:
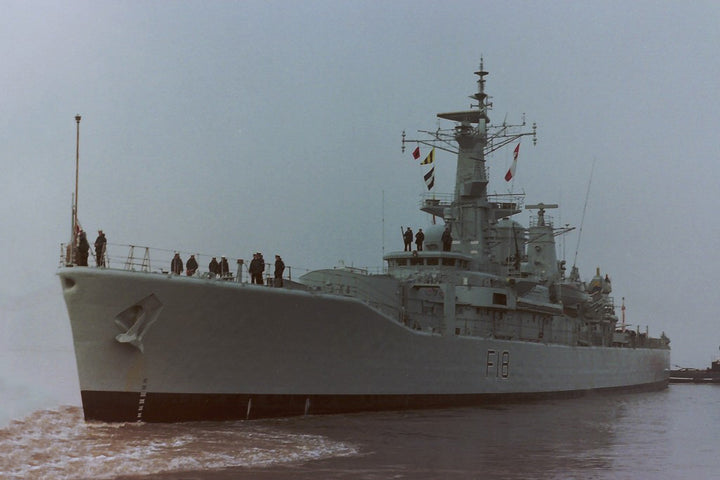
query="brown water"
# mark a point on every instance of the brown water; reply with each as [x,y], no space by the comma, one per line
[664,435]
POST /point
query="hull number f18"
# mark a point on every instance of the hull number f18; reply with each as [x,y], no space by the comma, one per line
[498,364]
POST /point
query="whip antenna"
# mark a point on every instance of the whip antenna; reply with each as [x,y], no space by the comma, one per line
[582,221]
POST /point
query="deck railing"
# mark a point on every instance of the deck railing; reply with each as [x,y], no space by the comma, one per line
[158,260]
[139,258]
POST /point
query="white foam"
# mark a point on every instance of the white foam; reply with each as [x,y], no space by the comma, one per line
[59,444]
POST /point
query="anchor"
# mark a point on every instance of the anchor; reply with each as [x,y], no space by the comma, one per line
[137,319]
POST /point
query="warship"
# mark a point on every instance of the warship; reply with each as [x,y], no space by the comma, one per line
[484,313]
[697,375]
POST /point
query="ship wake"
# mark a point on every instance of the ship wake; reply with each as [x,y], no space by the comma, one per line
[60,444]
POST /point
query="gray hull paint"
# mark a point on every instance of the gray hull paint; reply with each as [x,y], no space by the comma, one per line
[213,337]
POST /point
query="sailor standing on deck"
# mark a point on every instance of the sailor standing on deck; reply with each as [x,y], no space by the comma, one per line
[224,267]
[214,266]
[256,273]
[83,249]
[408,238]
[279,269]
[252,268]
[176,266]
[419,239]
[261,263]
[100,243]
[191,266]
[446,239]
[257,266]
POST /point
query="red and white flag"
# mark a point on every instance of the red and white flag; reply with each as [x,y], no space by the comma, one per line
[511,172]
[416,153]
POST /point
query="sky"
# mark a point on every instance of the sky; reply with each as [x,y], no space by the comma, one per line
[226,128]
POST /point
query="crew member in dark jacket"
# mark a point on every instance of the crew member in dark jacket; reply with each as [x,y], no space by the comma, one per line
[446,239]
[176,266]
[257,267]
[407,238]
[214,266]
[419,239]
[83,249]
[279,269]
[191,266]
[252,267]
[100,244]
[224,267]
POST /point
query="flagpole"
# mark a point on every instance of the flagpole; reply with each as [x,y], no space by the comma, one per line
[75,198]
[70,249]
[383,227]
[77,162]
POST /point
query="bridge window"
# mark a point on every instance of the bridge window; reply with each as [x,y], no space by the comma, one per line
[499,299]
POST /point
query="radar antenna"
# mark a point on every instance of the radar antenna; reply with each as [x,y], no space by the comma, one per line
[540,207]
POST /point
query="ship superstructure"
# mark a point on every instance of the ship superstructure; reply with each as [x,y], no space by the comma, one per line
[491,316]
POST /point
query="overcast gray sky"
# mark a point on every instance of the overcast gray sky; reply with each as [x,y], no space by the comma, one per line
[274,126]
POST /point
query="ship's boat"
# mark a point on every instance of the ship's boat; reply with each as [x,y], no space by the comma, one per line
[483,313]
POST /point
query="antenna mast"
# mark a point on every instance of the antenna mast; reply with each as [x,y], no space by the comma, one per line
[494,136]
[582,222]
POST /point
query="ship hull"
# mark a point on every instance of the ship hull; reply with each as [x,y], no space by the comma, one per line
[186,407]
[162,348]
